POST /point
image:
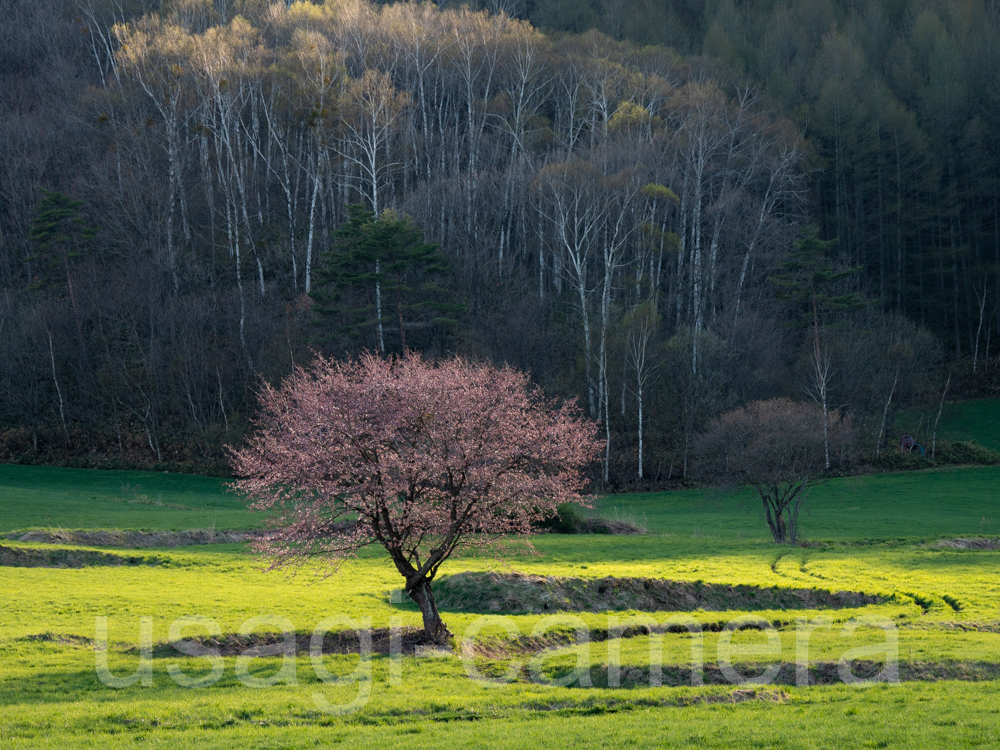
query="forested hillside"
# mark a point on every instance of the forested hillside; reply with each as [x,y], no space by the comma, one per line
[900,103]
[637,215]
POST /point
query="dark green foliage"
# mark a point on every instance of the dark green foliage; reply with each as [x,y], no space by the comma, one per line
[382,265]
[567,520]
[569,15]
[59,235]
[959,453]
[967,453]
[899,102]
[810,281]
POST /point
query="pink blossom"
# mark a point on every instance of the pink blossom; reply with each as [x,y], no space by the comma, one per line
[422,458]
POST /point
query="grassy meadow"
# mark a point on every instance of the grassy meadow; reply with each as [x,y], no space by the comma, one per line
[889,535]
[976,420]
[45,497]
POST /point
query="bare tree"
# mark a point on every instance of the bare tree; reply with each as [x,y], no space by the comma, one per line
[642,325]
[577,211]
[777,448]
[219,151]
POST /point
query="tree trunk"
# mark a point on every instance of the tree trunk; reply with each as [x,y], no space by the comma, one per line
[640,428]
[776,523]
[944,393]
[774,513]
[793,522]
[312,227]
[885,414]
[378,307]
[55,379]
[399,312]
[433,626]
[821,382]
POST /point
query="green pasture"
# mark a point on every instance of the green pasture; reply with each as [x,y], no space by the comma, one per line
[956,501]
[879,535]
[45,497]
[977,420]
[883,506]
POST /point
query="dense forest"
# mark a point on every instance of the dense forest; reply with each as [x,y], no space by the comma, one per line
[663,209]
[900,103]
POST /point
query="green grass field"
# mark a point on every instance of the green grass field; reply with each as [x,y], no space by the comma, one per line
[977,420]
[44,497]
[878,535]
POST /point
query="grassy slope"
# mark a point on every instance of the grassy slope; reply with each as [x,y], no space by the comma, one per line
[977,420]
[44,497]
[973,420]
[884,506]
[49,694]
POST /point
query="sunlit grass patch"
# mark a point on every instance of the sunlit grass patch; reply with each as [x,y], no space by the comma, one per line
[941,597]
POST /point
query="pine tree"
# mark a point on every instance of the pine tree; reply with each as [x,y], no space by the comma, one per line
[376,259]
[59,234]
[810,281]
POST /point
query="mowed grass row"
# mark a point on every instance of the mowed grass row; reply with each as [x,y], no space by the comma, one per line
[945,602]
[58,697]
[52,696]
[225,583]
[911,715]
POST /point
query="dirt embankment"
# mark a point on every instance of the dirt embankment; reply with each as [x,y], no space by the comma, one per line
[787,674]
[519,592]
[134,539]
[33,557]
[982,542]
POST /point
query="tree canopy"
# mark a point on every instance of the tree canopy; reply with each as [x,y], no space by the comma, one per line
[379,273]
[664,155]
[420,458]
